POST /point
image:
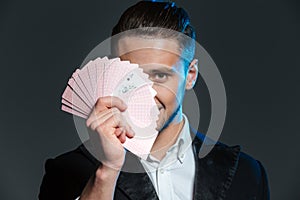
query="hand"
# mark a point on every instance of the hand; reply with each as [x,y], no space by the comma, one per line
[111,130]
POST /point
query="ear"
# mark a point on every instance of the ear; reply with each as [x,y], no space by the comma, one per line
[192,75]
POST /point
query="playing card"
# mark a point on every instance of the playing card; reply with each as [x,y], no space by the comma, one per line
[135,78]
[72,97]
[141,115]
[83,76]
[79,86]
[70,105]
[72,111]
[113,77]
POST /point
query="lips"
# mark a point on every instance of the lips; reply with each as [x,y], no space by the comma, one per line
[160,107]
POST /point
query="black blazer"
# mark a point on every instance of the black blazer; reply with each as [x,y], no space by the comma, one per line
[225,173]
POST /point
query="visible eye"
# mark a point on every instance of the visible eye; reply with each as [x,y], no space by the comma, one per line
[159,77]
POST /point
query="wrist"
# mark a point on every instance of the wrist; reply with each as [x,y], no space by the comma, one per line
[106,173]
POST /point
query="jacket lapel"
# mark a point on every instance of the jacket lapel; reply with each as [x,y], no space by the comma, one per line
[135,185]
[215,171]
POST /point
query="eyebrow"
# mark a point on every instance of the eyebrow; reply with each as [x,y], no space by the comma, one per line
[160,69]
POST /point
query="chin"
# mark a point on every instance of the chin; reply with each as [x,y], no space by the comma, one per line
[161,122]
[160,125]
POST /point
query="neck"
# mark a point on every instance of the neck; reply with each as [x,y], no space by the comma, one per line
[166,138]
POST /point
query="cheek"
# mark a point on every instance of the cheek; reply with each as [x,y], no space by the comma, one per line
[171,92]
[167,95]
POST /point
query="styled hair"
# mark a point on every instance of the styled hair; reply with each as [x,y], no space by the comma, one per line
[154,19]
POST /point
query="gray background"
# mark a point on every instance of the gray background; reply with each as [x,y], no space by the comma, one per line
[255,45]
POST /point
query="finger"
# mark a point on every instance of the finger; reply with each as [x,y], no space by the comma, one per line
[109,102]
[122,123]
[101,119]
[119,131]
[129,132]
[97,116]
[110,121]
[122,137]
[118,121]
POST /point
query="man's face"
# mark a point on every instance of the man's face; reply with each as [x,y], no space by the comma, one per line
[160,59]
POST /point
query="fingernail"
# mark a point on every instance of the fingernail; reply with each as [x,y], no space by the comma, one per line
[132,131]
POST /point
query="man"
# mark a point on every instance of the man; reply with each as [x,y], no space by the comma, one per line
[173,169]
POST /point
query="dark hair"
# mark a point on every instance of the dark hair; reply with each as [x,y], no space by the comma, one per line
[149,16]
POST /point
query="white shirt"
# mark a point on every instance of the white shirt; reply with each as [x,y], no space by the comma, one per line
[173,176]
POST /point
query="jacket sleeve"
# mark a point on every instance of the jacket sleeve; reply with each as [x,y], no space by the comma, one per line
[66,176]
[57,183]
[264,192]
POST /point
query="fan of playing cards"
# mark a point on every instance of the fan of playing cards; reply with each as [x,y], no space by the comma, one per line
[113,77]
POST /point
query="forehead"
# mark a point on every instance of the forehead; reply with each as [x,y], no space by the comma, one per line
[146,51]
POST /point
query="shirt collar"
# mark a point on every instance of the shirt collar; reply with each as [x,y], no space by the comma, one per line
[184,140]
[178,149]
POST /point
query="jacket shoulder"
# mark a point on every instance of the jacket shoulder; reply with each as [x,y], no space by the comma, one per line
[250,180]
[67,174]
[233,173]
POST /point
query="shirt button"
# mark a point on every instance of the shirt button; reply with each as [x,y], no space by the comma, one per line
[162,171]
